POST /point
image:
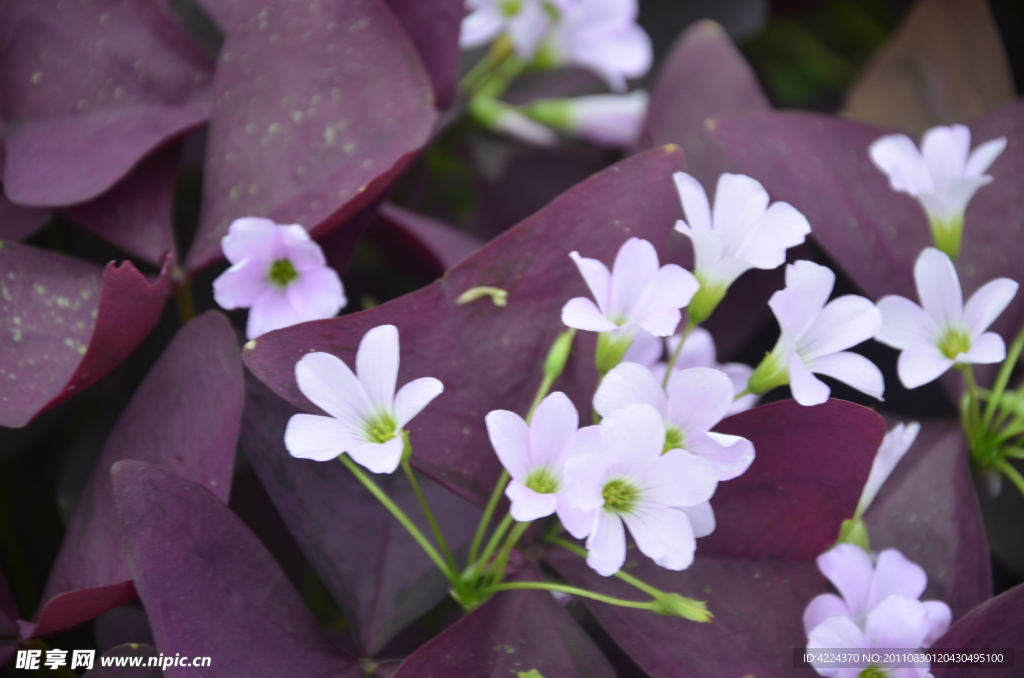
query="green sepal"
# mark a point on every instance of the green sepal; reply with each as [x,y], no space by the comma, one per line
[610,351]
[675,605]
[855,531]
[948,234]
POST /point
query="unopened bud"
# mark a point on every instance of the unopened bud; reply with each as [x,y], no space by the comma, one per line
[554,364]
[675,605]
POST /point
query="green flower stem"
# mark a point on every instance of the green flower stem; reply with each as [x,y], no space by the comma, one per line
[1014,452]
[492,544]
[485,519]
[744,392]
[1004,377]
[434,527]
[628,578]
[183,295]
[674,358]
[1010,472]
[973,408]
[400,516]
[497,569]
[500,50]
[651,605]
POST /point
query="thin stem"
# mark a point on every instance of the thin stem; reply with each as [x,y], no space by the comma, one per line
[674,358]
[628,578]
[571,590]
[399,516]
[1015,452]
[497,569]
[744,392]
[485,519]
[1004,376]
[434,527]
[1010,472]
[974,411]
[493,542]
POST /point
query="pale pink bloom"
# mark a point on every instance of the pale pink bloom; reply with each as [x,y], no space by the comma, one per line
[636,293]
[878,607]
[741,232]
[621,475]
[942,331]
[602,36]
[612,120]
[365,417]
[815,336]
[695,400]
[895,445]
[535,456]
[279,274]
[525,22]
[944,174]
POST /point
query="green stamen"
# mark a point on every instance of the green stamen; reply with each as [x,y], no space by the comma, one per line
[282,272]
[542,481]
[873,672]
[381,428]
[674,440]
[620,496]
[954,341]
[510,8]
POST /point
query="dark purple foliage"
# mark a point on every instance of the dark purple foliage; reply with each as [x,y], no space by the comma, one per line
[514,632]
[8,619]
[210,587]
[17,222]
[88,89]
[996,623]
[421,242]
[391,582]
[185,417]
[130,650]
[65,324]
[318,106]
[433,26]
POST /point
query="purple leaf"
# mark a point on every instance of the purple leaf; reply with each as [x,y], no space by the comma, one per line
[88,90]
[210,587]
[65,324]
[513,632]
[332,516]
[17,222]
[135,215]
[130,652]
[318,108]
[704,75]
[928,509]
[757,569]
[996,623]
[490,357]
[433,26]
[8,614]
[420,242]
[820,164]
[185,416]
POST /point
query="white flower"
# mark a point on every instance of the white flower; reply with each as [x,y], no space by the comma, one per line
[943,175]
[635,293]
[879,608]
[622,476]
[365,416]
[815,336]
[535,455]
[741,232]
[524,22]
[695,400]
[278,273]
[944,332]
[894,446]
[601,36]
[613,120]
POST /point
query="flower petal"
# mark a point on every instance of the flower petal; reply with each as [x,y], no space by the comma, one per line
[897,622]
[310,436]
[527,28]
[897,156]
[480,27]
[377,365]
[583,314]
[844,322]
[671,288]
[921,364]
[990,300]
[939,619]
[945,150]
[414,396]
[781,227]
[729,456]
[853,370]
[702,518]
[698,351]
[329,384]
[807,389]
[629,384]
[678,478]
[645,350]
[895,576]
[251,238]
[821,608]
[379,457]
[740,203]
[696,208]
[241,285]
[698,398]
[606,545]
[894,446]
[510,438]
[662,324]
[316,294]
[808,287]
[635,266]
[837,632]
[663,534]
[272,311]
[299,248]
[597,276]
[983,156]
[904,323]
[575,520]
[707,252]
[850,570]
[987,349]
[938,287]
[528,505]
[552,429]
[634,432]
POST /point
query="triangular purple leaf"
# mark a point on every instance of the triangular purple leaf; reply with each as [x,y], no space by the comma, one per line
[17,222]
[996,623]
[332,516]
[88,90]
[419,242]
[928,509]
[185,416]
[433,26]
[757,569]
[318,107]
[514,632]
[490,357]
[211,589]
[65,324]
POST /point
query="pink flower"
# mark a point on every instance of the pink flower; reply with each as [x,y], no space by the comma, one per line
[278,273]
